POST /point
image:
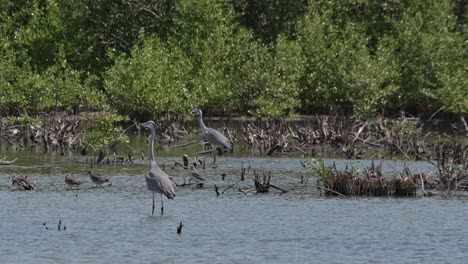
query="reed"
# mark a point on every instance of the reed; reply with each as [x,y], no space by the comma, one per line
[349,182]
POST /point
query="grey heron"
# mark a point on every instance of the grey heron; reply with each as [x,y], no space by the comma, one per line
[157,180]
[213,136]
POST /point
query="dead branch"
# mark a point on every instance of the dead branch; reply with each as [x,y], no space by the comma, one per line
[230,186]
[278,188]
[185,144]
[326,189]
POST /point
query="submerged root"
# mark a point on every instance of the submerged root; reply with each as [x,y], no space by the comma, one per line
[262,184]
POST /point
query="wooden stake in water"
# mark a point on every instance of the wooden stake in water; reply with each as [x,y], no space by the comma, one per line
[242,172]
[179,228]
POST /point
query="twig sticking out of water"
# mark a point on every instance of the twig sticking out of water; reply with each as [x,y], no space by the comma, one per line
[176,163]
[183,184]
[179,228]
[230,186]
[243,172]
[264,186]
[304,180]
[59,226]
[216,190]
[185,160]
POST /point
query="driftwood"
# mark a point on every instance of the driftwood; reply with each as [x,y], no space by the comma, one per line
[330,190]
[179,228]
[230,186]
[7,162]
[278,188]
[185,144]
[264,186]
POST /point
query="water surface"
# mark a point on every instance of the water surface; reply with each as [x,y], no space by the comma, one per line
[114,223]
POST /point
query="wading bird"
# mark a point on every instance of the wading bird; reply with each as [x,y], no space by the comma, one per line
[197,174]
[98,180]
[213,136]
[157,180]
[72,181]
[23,182]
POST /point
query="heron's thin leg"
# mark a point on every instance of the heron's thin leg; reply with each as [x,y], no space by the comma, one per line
[162,205]
[152,213]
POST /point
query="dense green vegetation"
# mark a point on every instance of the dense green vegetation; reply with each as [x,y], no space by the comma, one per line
[272,57]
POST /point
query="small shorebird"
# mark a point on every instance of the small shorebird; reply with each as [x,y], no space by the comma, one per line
[98,180]
[24,182]
[72,181]
[157,180]
[197,174]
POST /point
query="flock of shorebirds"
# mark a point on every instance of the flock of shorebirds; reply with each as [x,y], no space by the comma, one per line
[71,181]
[157,181]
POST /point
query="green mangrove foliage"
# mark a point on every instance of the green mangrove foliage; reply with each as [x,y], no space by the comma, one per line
[103,134]
[267,58]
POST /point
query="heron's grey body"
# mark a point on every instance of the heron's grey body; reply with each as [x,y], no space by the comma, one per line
[213,136]
[98,180]
[157,180]
[72,181]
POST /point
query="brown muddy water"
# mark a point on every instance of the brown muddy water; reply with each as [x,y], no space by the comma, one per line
[113,224]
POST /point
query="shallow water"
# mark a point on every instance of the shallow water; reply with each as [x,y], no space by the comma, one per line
[114,223]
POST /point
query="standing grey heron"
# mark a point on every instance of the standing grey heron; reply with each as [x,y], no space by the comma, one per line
[157,180]
[213,136]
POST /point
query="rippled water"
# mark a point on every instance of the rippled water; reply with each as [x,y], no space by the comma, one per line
[114,223]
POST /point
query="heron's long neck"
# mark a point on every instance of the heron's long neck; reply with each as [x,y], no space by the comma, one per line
[200,121]
[151,144]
